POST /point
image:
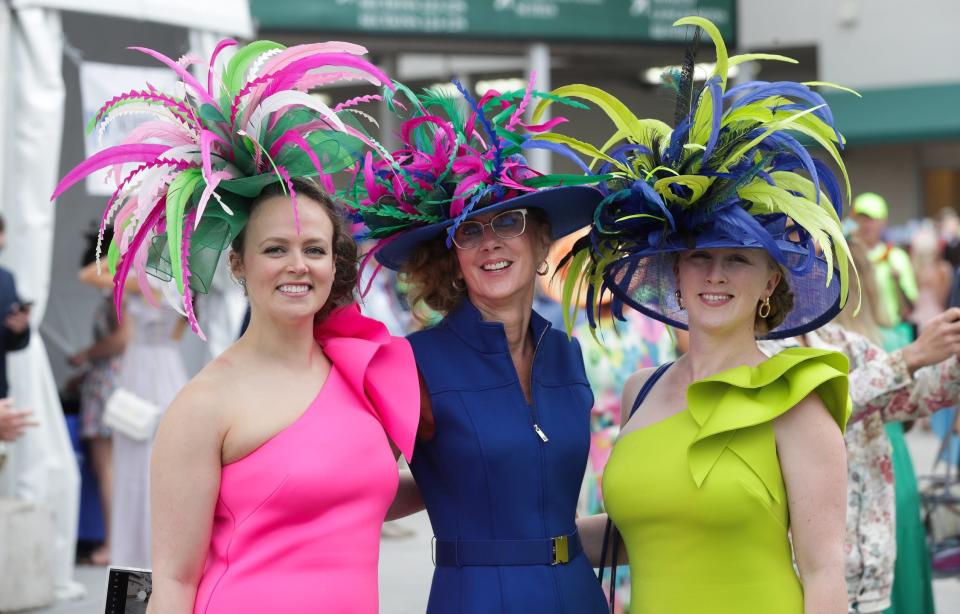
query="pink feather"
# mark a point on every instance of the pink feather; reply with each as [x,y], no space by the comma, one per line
[291,137]
[160,130]
[346,104]
[293,196]
[223,44]
[118,154]
[518,114]
[185,270]
[126,261]
[208,190]
[184,75]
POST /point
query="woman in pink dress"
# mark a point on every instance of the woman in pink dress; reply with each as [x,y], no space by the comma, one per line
[274,468]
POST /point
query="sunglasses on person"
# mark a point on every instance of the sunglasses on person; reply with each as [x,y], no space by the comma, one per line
[506,225]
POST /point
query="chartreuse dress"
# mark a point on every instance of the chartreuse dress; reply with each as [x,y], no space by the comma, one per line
[699,497]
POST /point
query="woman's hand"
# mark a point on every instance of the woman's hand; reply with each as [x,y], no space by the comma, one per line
[13,422]
[939,339]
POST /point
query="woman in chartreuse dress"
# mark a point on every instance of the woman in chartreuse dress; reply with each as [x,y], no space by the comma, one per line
[726,454]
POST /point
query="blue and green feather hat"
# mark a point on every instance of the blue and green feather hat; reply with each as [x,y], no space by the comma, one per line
[734,172]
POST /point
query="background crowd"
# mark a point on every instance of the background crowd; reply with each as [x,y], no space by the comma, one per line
[901,342]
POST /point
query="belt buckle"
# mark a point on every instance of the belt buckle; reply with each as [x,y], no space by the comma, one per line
[561,550]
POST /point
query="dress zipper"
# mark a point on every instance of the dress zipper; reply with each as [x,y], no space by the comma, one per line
[533,391]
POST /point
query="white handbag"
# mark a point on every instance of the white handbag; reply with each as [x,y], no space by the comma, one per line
[129,414]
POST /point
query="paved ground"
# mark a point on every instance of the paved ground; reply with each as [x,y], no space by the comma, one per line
[405,567]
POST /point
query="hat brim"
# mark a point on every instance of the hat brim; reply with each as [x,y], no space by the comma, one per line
[568,208]
[646,282]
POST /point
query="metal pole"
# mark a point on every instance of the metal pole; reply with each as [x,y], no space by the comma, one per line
[538,61]
[386,119]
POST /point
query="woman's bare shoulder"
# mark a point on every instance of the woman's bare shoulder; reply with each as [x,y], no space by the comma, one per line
[631,388]
[208,393]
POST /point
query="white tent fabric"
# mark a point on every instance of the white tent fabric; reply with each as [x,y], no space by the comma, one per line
[230,16]
[41,465]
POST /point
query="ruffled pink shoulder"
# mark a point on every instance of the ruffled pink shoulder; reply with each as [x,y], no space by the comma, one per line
[378,366]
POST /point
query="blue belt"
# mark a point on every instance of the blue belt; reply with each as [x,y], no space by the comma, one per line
[544,551]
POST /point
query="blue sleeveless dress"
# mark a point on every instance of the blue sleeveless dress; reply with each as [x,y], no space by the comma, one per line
[501,477]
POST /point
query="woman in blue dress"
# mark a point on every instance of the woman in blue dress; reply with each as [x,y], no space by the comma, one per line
[505,424]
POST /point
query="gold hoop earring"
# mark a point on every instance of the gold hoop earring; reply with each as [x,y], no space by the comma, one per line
[764,309]
[458,284]
[544,268]
[679,299]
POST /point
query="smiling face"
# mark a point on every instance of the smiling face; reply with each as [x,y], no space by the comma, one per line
[288,275]
[500,271]
[722,288]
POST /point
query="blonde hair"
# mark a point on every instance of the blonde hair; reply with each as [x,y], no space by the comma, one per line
[871,316]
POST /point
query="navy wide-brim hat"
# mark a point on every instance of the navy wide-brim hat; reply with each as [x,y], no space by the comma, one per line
[646,282]
[568,208]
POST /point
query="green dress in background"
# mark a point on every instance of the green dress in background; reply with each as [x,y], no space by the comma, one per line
[699,497]
[912,577]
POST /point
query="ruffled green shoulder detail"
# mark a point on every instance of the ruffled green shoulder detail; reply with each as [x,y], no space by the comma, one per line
[730,404]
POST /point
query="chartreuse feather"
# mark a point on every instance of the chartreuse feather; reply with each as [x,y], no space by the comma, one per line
[571,282]
[178,195]
[235,75]
[703,117]
[832,86]
[822,224]
[622,117]
[113,256]
[579,146]
[698,184]
[755,57]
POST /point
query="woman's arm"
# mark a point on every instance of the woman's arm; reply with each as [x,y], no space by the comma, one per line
[814,467]
[593,528]
[408,500]
[184,486]
[111,345]
[895,384]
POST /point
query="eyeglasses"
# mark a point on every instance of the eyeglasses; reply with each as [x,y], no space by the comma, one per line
[506,225]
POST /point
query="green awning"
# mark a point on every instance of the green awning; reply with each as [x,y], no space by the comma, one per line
[894,115]
[606,20]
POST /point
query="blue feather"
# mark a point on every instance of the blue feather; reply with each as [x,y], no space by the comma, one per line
[488,127]
[782,141]
[557,148]
[466,211]
[785,89]
[678,138]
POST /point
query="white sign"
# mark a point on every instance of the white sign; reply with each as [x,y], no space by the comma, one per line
[101,82]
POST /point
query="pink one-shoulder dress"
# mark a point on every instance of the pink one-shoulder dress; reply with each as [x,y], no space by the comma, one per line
[297,523]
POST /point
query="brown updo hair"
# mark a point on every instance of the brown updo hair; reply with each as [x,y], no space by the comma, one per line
[346,254]
[781,302]
[433,268]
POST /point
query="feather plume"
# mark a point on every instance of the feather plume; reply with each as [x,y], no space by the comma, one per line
[251,123]
[731,167]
